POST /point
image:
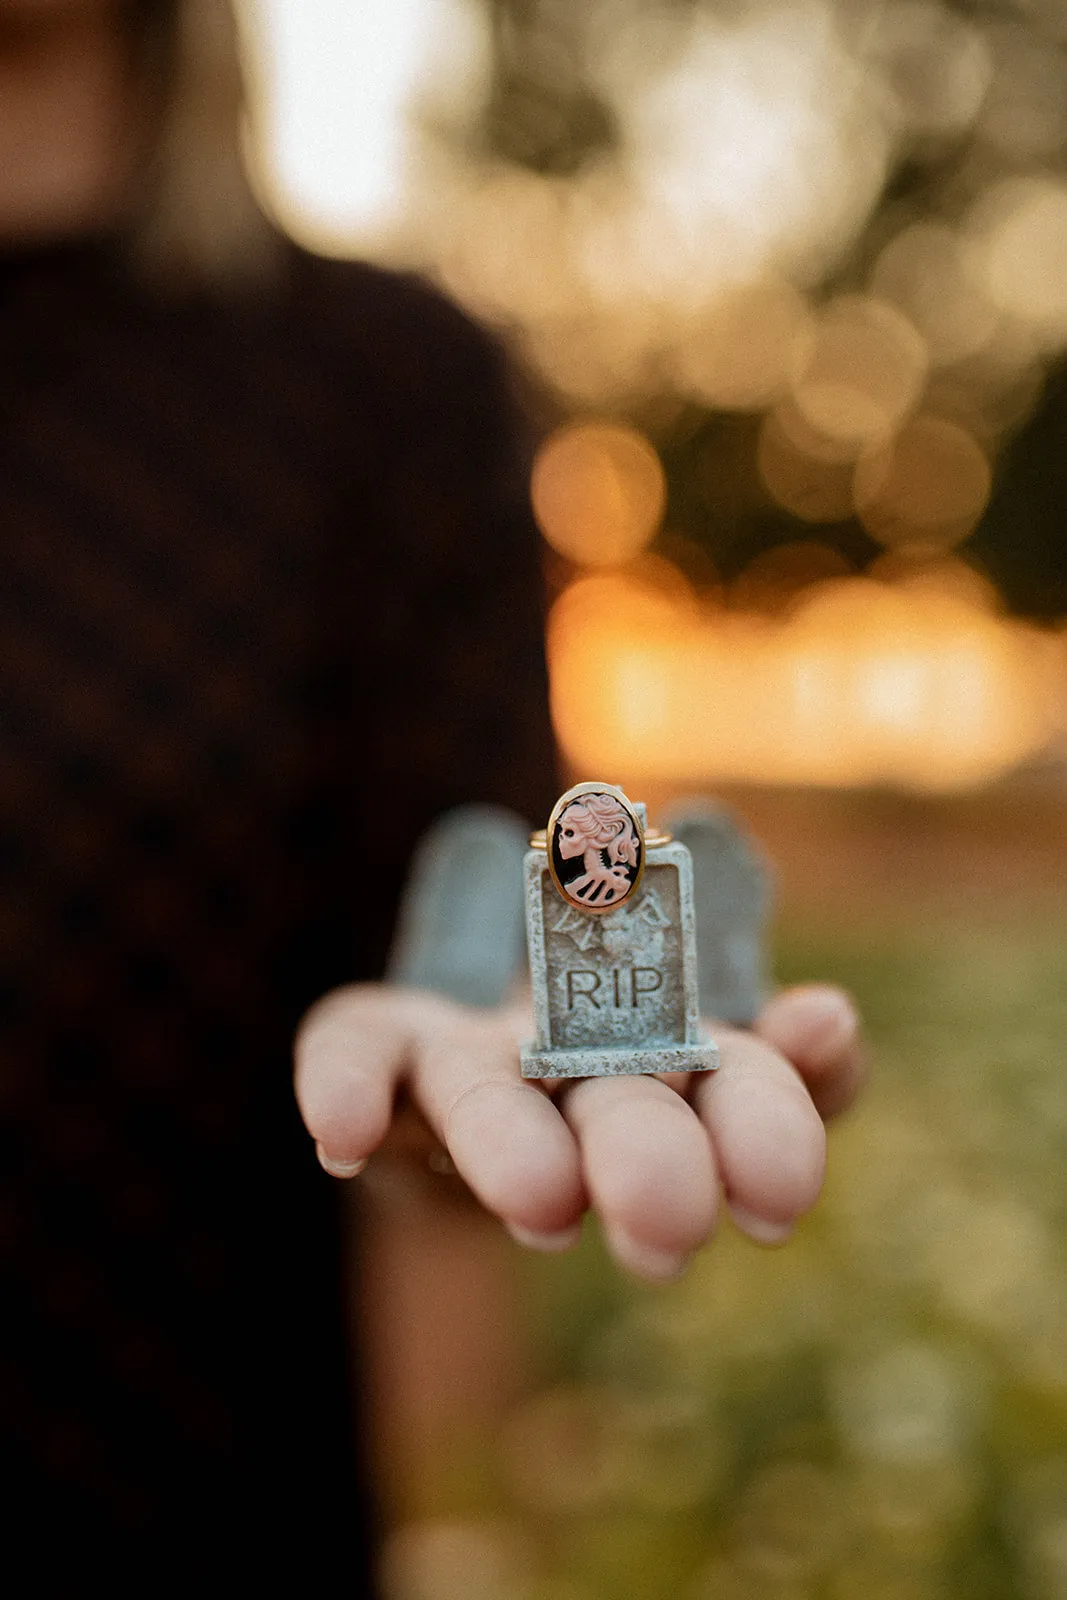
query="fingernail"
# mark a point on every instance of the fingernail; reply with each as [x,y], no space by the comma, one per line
[658,1266]
[759,1228]
[338,1169]
[553,1243]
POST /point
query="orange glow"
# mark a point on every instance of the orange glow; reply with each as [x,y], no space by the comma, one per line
[864,371]
[861,682]
[940,575]
[598,492]
[928,488]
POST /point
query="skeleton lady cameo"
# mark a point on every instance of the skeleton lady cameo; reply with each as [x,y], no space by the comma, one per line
[596,847]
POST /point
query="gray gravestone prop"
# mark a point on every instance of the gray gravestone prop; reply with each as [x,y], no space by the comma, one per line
[459,931]
[732,893]
[615,992]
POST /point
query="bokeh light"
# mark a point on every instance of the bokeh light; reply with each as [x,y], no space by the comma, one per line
[864,370]
[335,147]
[721,251]
[1021,225]
[927,488]
[934,65]
[804,472]
[929,272]
[598,492]
[750,142]
[741,351]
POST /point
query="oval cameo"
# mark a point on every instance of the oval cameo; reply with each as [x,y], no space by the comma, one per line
[596,847]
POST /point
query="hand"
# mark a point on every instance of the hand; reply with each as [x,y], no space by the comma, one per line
[650,1155]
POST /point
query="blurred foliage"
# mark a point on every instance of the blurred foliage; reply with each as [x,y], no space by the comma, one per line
[957,98]
[877,1410]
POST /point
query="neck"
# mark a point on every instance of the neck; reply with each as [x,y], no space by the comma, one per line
[68,125]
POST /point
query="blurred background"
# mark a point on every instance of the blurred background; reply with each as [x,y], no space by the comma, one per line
[788,279]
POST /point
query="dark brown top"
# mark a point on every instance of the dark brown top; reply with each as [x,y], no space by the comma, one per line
[269,602]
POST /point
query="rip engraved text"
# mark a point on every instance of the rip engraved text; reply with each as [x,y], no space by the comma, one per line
[583,983]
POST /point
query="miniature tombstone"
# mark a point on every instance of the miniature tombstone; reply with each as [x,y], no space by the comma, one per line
[732,893]
[459,931]
[610,927]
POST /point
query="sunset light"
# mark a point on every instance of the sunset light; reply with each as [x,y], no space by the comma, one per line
[598,493]
[863,682]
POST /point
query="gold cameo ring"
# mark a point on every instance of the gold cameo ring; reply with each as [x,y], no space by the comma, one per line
[596,846]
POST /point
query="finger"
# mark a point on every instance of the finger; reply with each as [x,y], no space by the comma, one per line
[505,1138]
[504,1135]
[817,1028]
[350,1052]
[768,1138]
[648,1169]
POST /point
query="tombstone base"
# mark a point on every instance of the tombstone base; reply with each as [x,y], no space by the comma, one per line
[604,1063]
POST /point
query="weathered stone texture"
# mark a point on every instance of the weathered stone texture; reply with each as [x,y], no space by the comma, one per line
[616,992]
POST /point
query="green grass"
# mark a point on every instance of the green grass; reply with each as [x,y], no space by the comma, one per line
[876,1412]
